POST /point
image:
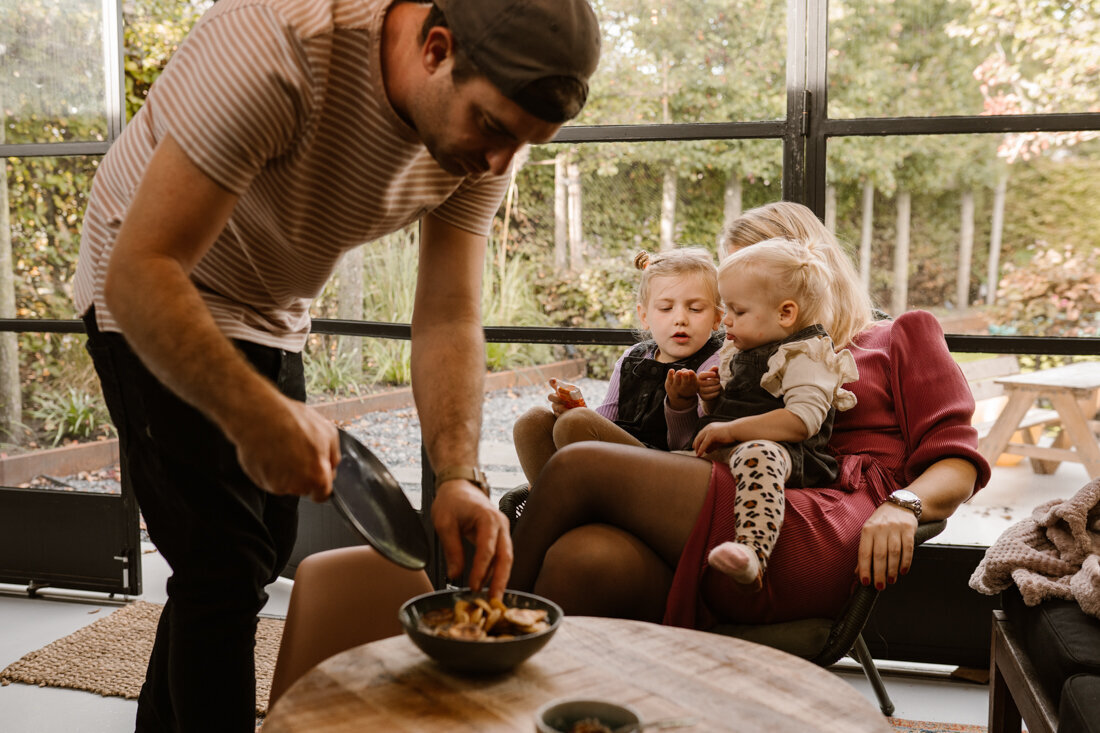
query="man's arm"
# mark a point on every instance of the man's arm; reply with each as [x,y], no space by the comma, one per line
[448,377]
[173,220]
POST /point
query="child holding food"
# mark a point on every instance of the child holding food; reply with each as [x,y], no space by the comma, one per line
[652,398]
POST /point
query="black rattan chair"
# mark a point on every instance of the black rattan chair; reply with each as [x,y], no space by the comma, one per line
[825,641]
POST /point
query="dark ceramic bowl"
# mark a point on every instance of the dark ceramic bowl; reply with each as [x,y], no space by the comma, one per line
[477,656]
[559,716]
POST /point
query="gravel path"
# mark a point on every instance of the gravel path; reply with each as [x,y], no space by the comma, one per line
[394,435]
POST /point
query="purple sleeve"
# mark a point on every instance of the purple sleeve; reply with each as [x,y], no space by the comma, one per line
[683,423]
[610,406]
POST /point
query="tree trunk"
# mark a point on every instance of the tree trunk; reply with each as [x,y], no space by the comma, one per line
[830,208]
[561,213]
[349,306]
[901,257]
[668,208]
[576,233]
[731,208]
[993,277]
[11,398]
[865,235]
[966,251]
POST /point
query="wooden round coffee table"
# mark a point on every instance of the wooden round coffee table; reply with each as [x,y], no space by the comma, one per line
[725,683]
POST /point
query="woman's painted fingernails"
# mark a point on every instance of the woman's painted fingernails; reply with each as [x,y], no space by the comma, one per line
[891,580]
[865,581]
[904,571]
[880,585]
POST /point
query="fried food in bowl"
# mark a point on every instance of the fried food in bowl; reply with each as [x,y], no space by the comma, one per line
[468,632]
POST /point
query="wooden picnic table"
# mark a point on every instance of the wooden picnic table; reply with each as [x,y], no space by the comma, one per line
[1074,393]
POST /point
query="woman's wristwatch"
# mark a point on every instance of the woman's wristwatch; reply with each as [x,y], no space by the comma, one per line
[473,474]
[906,498]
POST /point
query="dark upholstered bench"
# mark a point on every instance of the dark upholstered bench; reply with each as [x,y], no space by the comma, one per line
[1044,668]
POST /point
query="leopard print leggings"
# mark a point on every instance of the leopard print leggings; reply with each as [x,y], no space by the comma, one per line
[761,468]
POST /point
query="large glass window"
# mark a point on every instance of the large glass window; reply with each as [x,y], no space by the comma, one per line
[943,57]
[53,77]
[955,222]
[666,62]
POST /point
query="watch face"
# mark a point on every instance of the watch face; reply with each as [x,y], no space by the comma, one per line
[905,495]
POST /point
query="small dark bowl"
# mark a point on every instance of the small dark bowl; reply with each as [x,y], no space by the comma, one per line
[559,716]
[477,656]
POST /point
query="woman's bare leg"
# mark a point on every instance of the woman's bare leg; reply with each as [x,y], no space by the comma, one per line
[652,495]
[599,570]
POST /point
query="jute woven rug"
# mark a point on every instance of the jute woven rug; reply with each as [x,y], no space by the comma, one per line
[923,726]
[109,656]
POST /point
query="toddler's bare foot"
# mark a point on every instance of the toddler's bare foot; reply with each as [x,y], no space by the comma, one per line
[737,561]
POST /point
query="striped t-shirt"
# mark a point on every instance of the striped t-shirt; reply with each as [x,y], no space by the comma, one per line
[282,102]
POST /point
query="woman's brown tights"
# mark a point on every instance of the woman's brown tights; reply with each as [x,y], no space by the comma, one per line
[604,527]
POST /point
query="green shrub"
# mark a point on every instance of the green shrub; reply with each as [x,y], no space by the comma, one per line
[1055,293]
[72,414]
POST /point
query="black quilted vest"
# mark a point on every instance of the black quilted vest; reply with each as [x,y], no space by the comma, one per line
[812,464]
[642,390]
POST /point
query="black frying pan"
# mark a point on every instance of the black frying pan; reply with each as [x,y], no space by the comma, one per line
[372,502]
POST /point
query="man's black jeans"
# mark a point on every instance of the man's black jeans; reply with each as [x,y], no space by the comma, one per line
[223,537]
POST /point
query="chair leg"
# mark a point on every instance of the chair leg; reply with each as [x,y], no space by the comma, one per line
[863,656]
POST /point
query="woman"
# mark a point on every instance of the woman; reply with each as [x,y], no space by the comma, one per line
[626,532]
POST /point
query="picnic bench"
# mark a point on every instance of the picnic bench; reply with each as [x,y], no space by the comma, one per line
[991,398]
[1021,427]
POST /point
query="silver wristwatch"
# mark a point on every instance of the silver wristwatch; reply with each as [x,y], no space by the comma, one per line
[906,498]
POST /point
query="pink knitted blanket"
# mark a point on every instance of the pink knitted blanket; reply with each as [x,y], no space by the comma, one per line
[1054,554]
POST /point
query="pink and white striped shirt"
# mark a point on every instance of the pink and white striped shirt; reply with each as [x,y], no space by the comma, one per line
[281,102]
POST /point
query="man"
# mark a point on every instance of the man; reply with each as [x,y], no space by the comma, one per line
[283,133]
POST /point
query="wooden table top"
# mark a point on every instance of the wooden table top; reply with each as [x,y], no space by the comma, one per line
[1084,375]
[725,683]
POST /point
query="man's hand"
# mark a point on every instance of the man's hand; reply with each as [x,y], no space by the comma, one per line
[710,388]
[681,386]
[886,545]
[294,450]
[461,510]
[715,435]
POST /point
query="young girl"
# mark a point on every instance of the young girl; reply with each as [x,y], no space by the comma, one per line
[652,395]
[780,387]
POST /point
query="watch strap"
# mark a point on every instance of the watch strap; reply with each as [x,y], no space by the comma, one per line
[907,500]
[473,474]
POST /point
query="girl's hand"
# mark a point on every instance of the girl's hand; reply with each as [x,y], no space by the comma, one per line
[713,435]
[710,387]
[886,545]
[557,404]
[564,397]
[681,387]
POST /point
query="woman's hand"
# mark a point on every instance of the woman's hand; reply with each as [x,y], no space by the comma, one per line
[886,545]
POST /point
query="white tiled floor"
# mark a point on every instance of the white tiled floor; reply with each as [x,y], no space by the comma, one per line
[27,624]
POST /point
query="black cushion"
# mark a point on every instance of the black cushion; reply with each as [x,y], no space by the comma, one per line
[1060,638]
[1079,711]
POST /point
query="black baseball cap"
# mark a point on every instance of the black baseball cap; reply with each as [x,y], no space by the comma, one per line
[517,42]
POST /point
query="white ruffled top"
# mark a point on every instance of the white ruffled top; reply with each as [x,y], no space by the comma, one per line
[809,375]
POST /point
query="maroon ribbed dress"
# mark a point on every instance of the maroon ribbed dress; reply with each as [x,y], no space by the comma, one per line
[914,409]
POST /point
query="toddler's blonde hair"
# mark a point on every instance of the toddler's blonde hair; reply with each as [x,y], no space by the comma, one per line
[788,220]
[790,270]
